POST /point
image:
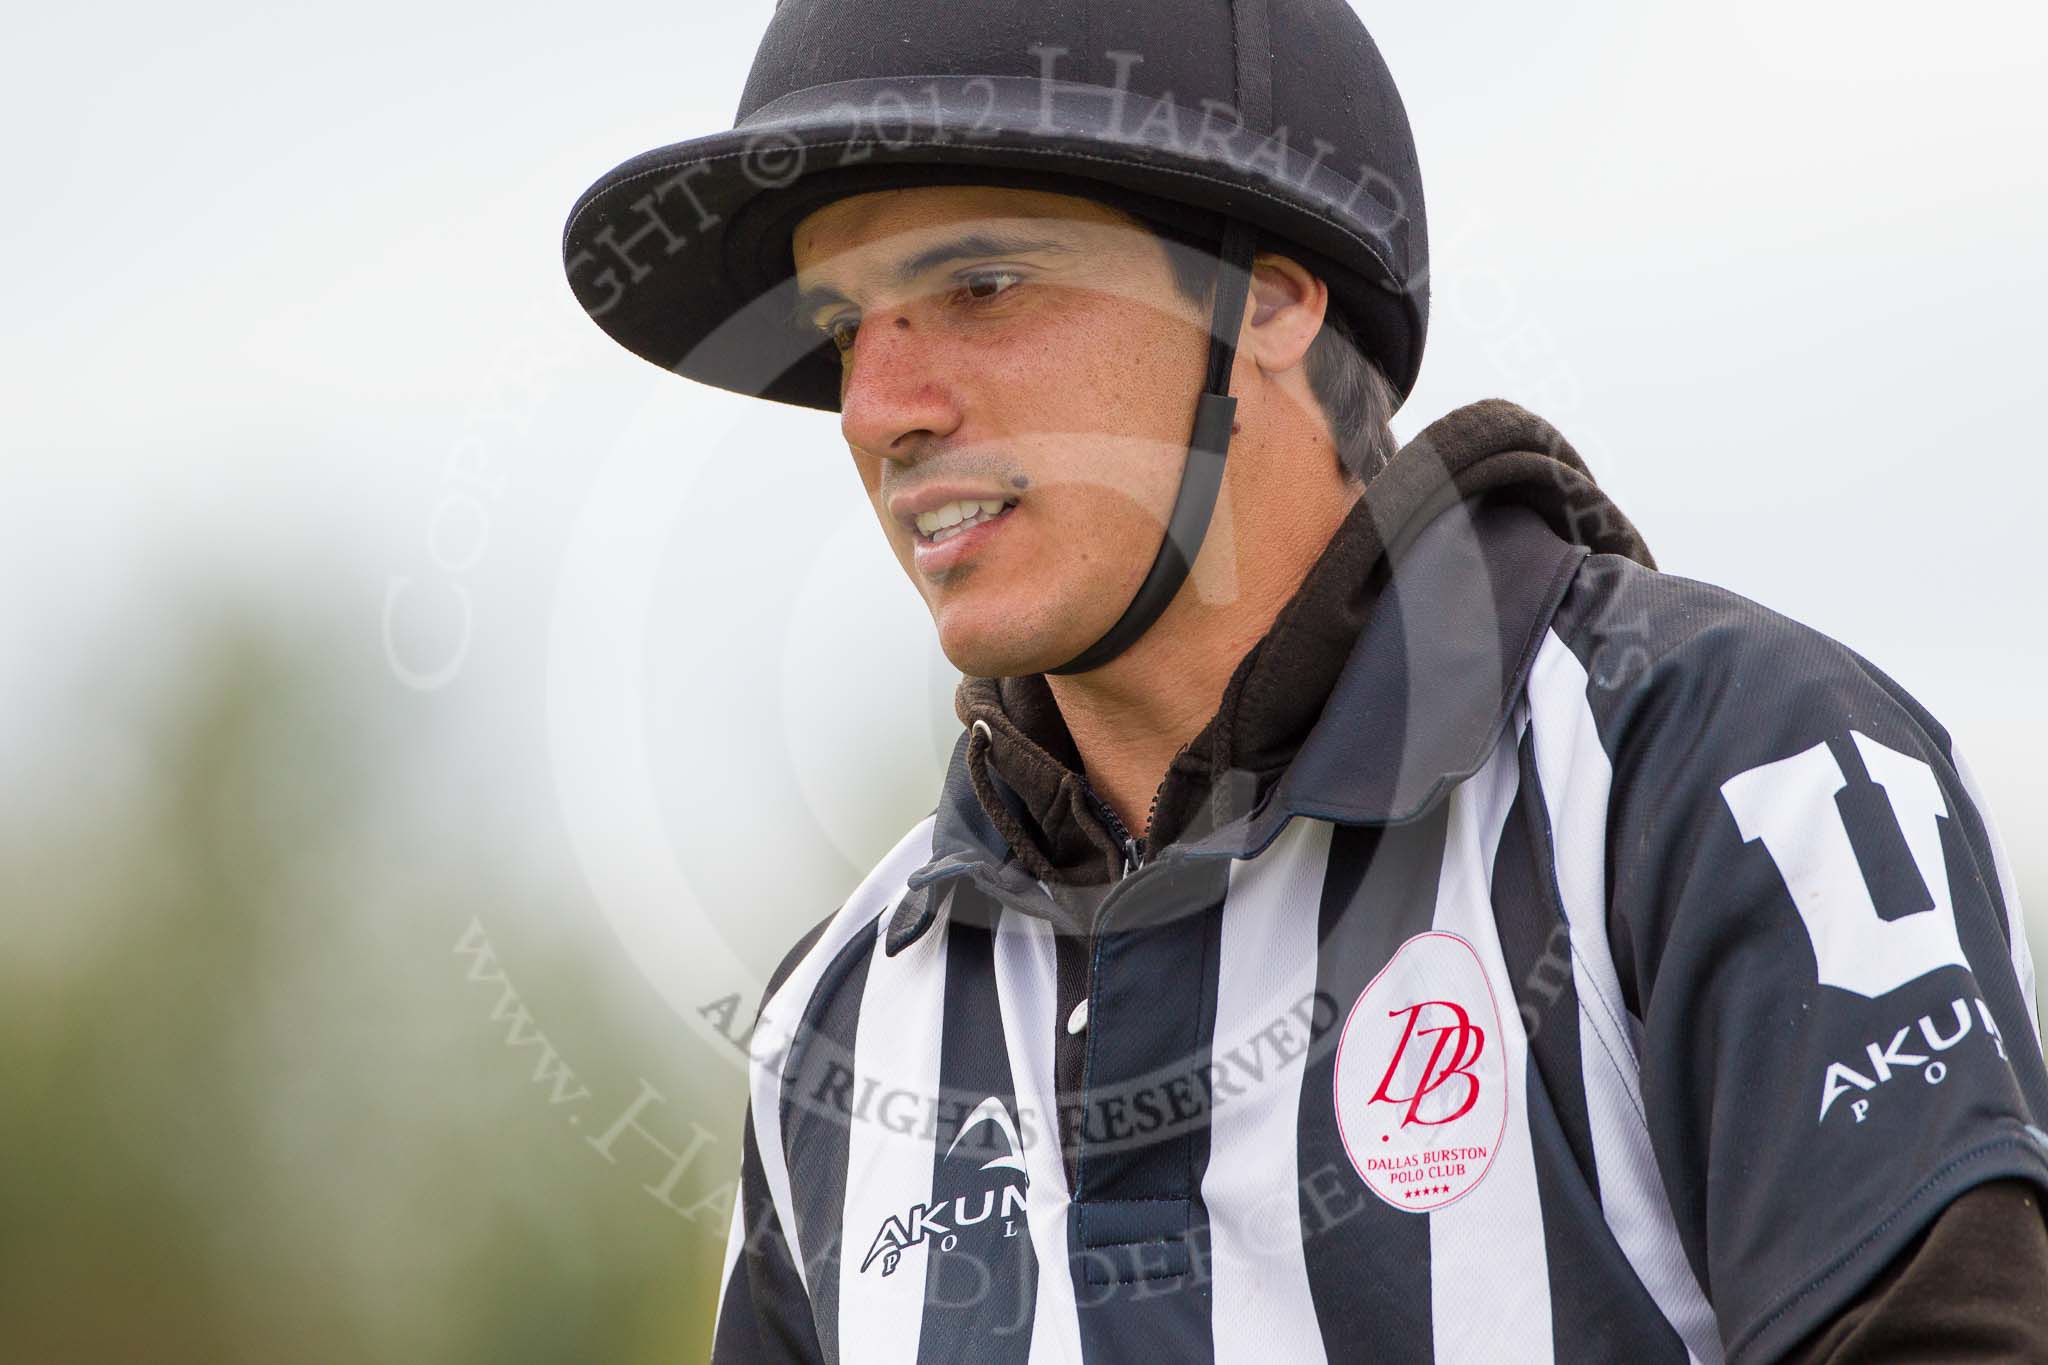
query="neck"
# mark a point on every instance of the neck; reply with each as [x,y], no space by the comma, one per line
[1130,717]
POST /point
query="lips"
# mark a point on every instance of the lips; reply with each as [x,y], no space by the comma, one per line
[935,556]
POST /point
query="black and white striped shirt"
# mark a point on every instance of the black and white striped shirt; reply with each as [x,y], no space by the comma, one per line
[1620,972]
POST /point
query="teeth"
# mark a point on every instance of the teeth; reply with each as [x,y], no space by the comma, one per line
[954,514]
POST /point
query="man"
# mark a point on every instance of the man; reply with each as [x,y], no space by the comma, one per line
[1372,914]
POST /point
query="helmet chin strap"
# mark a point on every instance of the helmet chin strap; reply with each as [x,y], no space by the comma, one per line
[1202,476]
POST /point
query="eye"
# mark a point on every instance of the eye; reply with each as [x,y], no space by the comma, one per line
[841,332]
[984,285]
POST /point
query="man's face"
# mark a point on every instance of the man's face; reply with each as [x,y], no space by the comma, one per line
[1012,348]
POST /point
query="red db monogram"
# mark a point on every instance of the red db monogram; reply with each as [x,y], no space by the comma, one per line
[1470,1042]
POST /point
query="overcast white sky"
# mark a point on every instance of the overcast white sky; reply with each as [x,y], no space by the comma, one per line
[1775,266]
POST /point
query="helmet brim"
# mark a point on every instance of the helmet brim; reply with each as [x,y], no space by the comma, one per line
[682,255]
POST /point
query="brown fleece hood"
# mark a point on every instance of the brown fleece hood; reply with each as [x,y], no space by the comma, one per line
[1056,827]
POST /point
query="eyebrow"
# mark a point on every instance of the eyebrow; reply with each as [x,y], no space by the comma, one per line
[973,246]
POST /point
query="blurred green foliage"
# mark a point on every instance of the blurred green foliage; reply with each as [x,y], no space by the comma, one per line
[256,1110]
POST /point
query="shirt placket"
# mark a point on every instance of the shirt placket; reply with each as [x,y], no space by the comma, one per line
[1142,1136]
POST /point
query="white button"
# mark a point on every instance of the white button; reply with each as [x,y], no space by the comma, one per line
[1078,1020]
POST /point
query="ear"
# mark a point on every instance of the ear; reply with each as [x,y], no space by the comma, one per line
[1288,303]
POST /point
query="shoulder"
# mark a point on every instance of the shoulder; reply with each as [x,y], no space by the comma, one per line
[1671,659]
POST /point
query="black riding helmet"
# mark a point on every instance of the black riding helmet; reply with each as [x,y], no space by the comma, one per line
[1236,120]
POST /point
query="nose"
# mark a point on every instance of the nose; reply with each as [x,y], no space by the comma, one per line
[895,398]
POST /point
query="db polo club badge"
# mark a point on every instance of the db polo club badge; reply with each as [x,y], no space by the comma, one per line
[1421,1089]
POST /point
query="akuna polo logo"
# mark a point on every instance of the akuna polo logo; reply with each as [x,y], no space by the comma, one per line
[1893,1059]
[924,1222]
[1420,1085]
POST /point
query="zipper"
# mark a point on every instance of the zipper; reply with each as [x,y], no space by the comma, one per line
[1134,848]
